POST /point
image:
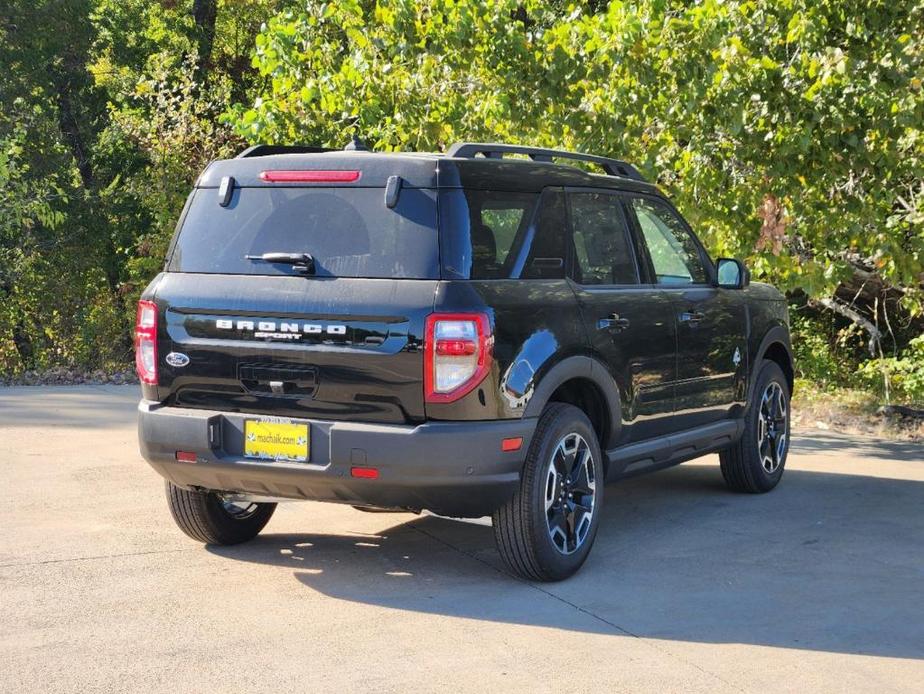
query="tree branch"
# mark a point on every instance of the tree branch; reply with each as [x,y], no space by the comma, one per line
[847,311]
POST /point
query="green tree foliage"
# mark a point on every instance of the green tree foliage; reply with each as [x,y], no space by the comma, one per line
[57,259]
[789,131]
[110,110]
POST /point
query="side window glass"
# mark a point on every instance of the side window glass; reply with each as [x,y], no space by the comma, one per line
[496,219]
[673,251]
[504,222]
[548,249]
[602,251]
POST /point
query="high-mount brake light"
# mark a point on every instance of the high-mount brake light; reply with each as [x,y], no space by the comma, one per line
[310,176]
[457,354]
[146,342]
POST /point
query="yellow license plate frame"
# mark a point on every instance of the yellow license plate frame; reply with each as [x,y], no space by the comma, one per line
[277,440]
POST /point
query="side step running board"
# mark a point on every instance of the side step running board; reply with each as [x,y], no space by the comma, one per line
[664,451]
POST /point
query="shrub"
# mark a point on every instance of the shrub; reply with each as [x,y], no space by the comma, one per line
[900,378]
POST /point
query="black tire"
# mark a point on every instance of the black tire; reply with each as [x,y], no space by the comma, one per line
[522,525]
[204,517]
[744,466]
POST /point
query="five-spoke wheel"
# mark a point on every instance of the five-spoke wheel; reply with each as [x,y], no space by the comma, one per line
[545,532]
[771,427]
[569,493]
[755,462]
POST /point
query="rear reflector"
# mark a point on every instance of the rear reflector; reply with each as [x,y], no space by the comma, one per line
[367,473]
[186,457]
[513,444]
[309,176]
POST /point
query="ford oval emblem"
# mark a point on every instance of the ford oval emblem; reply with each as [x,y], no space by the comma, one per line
[177,359]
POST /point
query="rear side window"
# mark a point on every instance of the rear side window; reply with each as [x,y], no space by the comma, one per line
[489,234]
[548,248]
[504,222]
[349,232]
[496,221]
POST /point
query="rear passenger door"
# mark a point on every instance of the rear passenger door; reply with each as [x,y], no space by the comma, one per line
[630,325]
[711,322]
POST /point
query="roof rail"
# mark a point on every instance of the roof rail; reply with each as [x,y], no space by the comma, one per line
[613,167]
[267,150]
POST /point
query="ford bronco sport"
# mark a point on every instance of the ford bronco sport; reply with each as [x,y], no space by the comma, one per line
[467,333]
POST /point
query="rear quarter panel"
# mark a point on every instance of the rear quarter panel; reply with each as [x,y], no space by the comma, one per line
[536,324]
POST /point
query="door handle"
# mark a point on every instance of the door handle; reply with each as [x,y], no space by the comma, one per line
[613,322]
[693,317]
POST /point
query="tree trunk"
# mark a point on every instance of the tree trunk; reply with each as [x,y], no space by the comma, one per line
[23,344]
[204,14]
[67,122]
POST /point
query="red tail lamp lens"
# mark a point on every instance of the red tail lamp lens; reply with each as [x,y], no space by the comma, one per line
[457,354]
[146,342]
[186,457]
[455,348]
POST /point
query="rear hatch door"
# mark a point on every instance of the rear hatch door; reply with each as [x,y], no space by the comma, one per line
[340,340]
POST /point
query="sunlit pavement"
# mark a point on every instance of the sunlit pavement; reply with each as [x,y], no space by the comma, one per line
[818,586]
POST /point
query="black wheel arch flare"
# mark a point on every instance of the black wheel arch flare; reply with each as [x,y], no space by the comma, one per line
[775,345]
[585,368]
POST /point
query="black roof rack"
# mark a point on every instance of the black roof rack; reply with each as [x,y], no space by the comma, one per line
[267,150]
[613,167]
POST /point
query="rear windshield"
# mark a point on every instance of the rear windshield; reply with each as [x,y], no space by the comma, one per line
[349,232]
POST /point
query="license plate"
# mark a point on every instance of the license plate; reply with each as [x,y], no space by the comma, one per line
[274,440]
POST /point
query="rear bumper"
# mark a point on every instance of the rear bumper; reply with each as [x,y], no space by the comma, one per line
[450,468]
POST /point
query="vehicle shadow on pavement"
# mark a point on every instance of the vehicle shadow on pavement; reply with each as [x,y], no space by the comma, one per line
[830,562]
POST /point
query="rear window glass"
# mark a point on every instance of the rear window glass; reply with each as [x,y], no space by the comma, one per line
[348,231]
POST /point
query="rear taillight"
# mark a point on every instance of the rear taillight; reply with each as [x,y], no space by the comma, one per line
[457,354]
[146,342]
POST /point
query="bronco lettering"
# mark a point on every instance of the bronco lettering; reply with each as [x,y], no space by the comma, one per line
[286,330]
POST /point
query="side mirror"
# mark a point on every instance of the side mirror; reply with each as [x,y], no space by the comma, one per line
[732,274]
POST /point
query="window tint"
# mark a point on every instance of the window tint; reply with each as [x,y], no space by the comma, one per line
[601,241]
[496,219]
[504,222]
[490,234]
[674,254]
[349,232]
[548,247]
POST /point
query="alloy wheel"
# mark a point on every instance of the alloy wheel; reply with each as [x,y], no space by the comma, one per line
[569,493]
[772,432]
[236,508]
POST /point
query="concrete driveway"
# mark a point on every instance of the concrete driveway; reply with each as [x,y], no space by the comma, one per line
[818,586]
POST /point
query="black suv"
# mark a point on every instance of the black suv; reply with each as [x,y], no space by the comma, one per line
[463,333]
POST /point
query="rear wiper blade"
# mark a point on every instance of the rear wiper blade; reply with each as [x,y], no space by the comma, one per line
[302,262]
